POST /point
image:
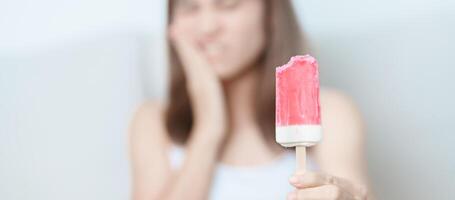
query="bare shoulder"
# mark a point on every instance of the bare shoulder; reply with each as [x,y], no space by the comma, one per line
[334,101]
[147,130]
[342,127]
[147,117]
[341,151]
[148,109]
[339,112]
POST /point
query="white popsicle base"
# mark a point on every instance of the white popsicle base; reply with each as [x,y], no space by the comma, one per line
[298,135]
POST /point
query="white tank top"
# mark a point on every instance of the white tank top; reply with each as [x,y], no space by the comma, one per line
[263,182]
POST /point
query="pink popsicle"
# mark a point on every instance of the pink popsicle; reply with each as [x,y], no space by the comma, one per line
[298,115]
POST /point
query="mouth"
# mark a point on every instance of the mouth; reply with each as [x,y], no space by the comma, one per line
[213,51]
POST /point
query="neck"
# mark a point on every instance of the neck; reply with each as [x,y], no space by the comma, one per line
[240,101]
[245,144]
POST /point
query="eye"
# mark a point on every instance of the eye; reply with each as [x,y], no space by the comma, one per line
[228,4]
[186,6]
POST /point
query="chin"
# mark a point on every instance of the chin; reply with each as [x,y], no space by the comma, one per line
[229,74]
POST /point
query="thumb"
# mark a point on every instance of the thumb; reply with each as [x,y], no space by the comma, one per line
[314,179]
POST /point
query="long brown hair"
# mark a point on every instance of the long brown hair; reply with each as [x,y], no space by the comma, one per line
[283,40]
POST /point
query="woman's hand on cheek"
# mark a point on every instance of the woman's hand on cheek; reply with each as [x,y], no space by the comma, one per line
[312,185]
[204,87]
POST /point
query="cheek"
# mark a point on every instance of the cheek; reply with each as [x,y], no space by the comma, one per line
[184,24]
[249,39]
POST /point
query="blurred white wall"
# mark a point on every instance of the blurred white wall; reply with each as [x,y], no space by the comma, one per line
[63,121]
[71,72]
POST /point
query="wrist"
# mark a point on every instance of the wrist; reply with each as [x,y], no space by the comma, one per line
[210,138]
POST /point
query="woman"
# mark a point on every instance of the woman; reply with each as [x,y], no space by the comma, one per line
[214,138]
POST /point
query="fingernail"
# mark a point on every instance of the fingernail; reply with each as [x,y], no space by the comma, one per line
[292,196]
[294,179]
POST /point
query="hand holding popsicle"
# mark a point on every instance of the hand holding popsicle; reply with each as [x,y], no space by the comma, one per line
[313,185]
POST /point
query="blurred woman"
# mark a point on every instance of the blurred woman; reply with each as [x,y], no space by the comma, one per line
[214,137]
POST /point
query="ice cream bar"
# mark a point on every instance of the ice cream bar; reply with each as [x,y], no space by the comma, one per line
[298,117]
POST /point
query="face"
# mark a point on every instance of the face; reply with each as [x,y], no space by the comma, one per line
[229,33]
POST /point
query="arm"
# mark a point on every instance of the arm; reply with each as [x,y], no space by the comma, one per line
[151,173]
[148,153]
[194,179]
[152,176]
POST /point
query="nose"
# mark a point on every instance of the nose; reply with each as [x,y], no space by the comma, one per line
[209,25]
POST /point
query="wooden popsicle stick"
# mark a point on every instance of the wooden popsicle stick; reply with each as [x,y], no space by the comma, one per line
[300,153]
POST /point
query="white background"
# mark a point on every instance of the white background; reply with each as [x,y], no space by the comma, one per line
[71,72]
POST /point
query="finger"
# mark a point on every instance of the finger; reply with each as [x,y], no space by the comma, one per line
[185,48]
[193,60]
[327,192]
[311,179]
[356,190]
